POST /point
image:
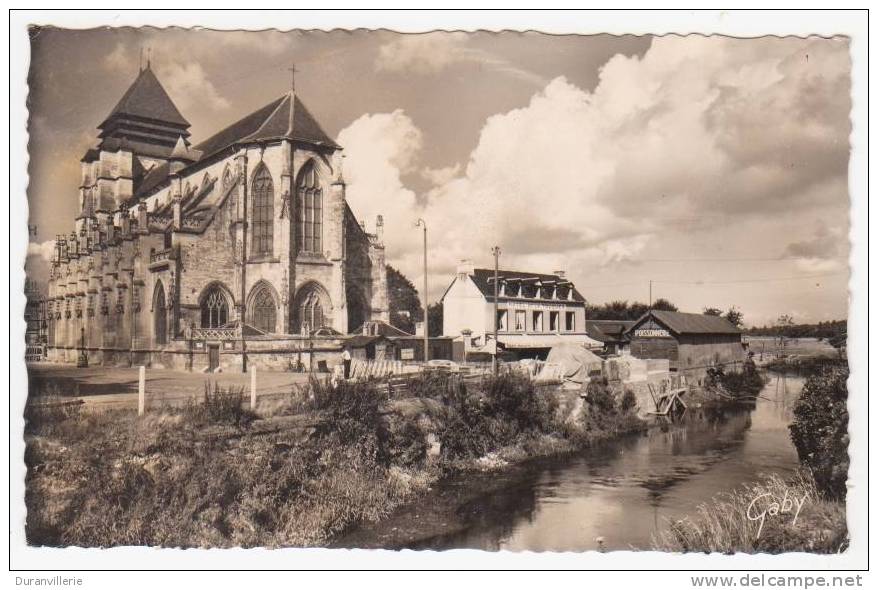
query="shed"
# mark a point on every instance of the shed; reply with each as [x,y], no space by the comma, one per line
[369,348]
[689,341]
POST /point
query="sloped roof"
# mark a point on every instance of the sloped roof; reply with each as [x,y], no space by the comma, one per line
[689,323]
[383,329]
[285,117]
[484,280]
[146,98]
[607,330]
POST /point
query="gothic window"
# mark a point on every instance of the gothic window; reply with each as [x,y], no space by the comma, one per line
[310,310]
[263,311]
[214,309]
[263,213]
[309,211]
[160,315]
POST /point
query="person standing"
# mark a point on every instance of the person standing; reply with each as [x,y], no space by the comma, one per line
[346,361]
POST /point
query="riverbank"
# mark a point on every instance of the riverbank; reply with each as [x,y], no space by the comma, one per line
[805,512]
[298,473]
[774,515]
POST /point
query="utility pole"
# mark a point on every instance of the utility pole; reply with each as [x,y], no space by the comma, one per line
[422,223]
[496,252]
[650,293]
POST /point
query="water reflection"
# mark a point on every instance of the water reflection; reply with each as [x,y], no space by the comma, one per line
[622,492]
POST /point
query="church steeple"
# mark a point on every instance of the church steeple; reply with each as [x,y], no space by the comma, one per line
[145,120]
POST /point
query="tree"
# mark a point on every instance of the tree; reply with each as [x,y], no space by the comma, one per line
[820,429]
[662,304]
[735,317]
[434,318]
[404,301]
[715,311]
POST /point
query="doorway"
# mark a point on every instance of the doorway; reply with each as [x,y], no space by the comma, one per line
[212,357]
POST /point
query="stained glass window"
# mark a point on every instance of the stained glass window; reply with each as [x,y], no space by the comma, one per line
[263,213]
[309,211]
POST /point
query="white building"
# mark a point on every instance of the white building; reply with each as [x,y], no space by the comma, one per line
[534,311]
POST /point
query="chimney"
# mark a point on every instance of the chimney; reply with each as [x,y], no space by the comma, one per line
[560,274]
[465,268]
[379,228]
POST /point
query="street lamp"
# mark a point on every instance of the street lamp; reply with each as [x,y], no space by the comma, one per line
[422,223]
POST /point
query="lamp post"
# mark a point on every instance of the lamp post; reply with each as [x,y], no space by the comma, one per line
[422,223]
[496,252]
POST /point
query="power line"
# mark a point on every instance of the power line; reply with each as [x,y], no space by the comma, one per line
[740,281]
[774,259]
[761,280]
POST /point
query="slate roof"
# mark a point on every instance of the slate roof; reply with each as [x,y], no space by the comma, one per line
[284,117]
[689,323]
[607,330]
[484,280]
[273,121]
[147,98]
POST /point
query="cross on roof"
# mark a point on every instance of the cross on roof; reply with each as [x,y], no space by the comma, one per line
[292,69]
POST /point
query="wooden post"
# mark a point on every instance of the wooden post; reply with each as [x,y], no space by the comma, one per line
[141,391]
[252,388]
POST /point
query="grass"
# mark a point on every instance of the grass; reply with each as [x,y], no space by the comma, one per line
[173,479]
[743,521]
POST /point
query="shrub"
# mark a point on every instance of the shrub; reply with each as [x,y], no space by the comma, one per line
[629,401]
[218,406]
[746,383]
[502,410]
[820,429]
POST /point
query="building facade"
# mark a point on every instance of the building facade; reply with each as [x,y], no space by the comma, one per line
[692,342]
[534,311]
[239,249]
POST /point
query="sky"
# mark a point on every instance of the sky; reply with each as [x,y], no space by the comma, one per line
[715,167]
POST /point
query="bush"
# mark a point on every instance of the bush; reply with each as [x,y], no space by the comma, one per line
[629,401]
[502,410]
[219,406]
[746,383]
[820,429]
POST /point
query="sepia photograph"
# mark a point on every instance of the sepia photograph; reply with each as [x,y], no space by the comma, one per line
[506,291]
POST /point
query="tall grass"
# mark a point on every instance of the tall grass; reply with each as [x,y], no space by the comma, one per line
[219,406]
[167,479]
[741,521]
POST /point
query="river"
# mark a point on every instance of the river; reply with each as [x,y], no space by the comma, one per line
[619,494]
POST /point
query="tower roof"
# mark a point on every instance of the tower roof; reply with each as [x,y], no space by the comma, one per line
[284,117]
[145,120]
[146,98]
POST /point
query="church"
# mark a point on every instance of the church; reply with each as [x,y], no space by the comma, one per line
[237,251]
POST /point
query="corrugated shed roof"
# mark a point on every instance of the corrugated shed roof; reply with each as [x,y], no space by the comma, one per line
[147,98]
[484,280]
[689,323]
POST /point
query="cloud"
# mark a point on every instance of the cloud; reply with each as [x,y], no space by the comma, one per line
[820,252]
[440,176]
[430,53]
[44,250]
[380,149]
[697,136]
[190,86]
